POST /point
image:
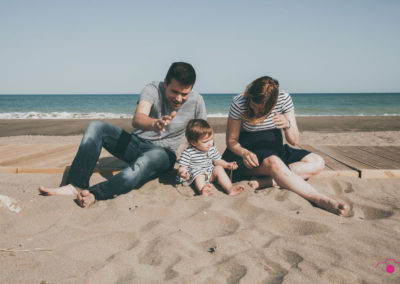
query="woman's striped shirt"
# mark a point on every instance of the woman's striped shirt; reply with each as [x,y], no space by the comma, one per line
[239,106]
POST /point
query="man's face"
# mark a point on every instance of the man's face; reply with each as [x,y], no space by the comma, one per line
[176,93]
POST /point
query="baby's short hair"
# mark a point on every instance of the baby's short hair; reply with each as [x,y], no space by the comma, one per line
[197,128]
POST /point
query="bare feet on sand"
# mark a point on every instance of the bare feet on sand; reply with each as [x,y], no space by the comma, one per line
[68,189]
[332,206]
[260,183]
[235,189]
[85,198]
[206,190]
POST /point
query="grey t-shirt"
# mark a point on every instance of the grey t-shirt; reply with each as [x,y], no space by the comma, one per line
[194,107]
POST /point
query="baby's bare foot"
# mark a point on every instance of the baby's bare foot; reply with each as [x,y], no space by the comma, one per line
[68,189]
[254,184]
[206,190]
[85,198]
[261,182]
[333,206]
[235,189]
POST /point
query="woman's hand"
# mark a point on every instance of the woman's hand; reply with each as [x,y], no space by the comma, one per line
[281,121]
[250,159]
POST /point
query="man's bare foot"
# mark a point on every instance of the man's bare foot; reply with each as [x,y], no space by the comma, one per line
[68,189]
[85,198]
[235,189]
[260,183]
[332,206]
[206,190]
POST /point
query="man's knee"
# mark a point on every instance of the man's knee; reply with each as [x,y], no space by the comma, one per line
[157,159]
[92,130]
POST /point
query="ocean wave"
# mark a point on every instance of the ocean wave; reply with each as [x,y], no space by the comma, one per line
[62,115]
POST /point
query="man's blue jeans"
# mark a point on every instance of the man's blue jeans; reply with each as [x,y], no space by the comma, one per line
[145,160]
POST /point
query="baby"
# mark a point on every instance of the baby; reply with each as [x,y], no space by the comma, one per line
[201,162]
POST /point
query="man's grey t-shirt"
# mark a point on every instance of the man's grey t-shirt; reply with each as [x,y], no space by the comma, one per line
[171,139]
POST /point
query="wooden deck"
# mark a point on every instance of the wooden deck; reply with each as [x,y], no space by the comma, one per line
[351,161]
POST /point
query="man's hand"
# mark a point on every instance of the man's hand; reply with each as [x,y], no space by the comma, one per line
[160,124]
[183,172]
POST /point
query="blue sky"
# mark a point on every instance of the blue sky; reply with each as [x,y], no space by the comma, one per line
[119,46]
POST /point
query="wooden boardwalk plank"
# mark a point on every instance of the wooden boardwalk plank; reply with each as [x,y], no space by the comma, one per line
[340,156]
[382,151]
[36,157]
[367,158]
[332,166]
[63,157]
[12,150]
[352,161]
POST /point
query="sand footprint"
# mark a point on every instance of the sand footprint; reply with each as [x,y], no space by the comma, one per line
[290,226]
[342,186]
[371,211]
[200,226]
[82,250]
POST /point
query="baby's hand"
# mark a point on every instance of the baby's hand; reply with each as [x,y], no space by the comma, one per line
[183,172]
[232,166]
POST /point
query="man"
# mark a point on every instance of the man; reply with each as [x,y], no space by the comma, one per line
[163,110]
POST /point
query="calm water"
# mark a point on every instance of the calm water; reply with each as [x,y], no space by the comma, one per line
[123,106]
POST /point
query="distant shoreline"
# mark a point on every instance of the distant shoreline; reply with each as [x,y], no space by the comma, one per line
[68,127]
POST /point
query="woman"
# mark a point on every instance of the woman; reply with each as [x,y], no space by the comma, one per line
[254,140]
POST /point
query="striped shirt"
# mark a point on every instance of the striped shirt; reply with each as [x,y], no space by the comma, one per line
[239,106]
[198,161]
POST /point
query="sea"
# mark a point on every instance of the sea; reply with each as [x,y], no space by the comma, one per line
[100,106]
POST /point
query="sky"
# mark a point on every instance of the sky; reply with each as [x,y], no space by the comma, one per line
[115,46]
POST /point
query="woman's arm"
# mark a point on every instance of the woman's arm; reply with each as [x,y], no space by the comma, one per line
[287,122]
[232,142]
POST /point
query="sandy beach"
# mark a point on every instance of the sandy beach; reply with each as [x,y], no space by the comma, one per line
[164,233]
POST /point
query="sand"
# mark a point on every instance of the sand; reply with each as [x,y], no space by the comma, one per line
[161,233]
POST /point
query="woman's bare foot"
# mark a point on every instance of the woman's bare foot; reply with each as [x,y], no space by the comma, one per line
[260,183]
[68,189]
[85,198]
[206,190]
[235,189]
[332,206]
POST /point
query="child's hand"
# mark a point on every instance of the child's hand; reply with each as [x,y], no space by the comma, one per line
[232,166]
[183,173]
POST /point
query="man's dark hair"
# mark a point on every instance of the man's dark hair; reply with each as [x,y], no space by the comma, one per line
[182,72]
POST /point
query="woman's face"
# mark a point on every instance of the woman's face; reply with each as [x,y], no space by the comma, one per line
[258,109]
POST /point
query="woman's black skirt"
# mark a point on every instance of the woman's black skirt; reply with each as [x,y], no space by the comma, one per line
[264,144]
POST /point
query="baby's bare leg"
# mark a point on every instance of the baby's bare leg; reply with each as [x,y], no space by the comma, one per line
[68,189]
[225,182]
[201,186]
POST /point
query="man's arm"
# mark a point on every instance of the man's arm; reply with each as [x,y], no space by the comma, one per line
[141,120]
